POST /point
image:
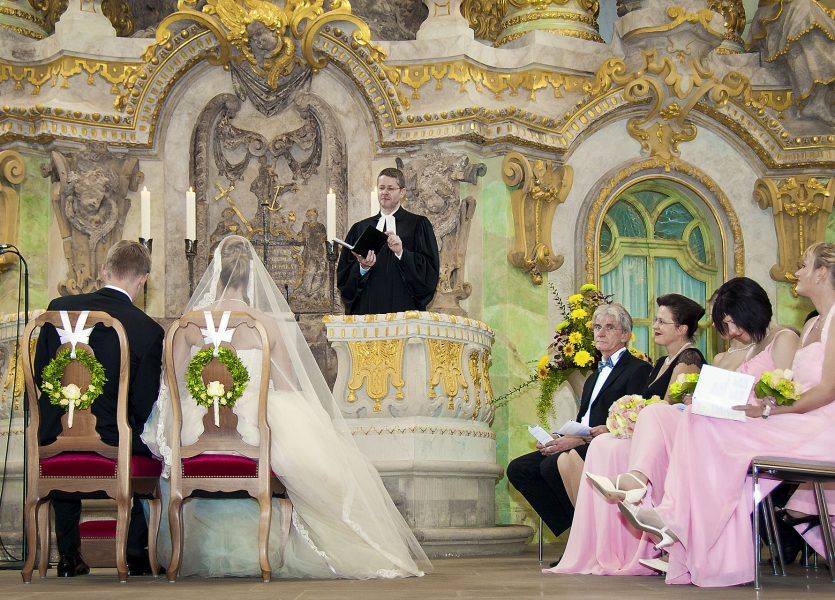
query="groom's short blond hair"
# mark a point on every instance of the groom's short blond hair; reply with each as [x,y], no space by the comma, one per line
[127,259]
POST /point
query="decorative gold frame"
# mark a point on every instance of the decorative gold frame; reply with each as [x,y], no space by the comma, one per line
[12,174]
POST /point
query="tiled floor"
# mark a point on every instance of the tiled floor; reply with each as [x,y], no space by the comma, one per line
[515,577]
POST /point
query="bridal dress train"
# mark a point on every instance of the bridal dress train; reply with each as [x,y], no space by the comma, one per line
[344,523]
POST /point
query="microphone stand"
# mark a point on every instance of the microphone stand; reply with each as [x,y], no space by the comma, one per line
[11,249]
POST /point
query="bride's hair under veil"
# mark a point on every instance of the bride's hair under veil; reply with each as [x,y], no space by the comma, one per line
[348,489]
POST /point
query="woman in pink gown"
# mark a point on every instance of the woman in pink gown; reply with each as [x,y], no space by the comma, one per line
[704,519]
[604,543]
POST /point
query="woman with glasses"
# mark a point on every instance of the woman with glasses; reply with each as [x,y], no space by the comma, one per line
[599,544]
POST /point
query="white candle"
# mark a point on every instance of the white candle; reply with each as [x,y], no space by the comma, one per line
[375,202]
[331,214]
[191,215]
[217,414]
[145,212]
[72,410]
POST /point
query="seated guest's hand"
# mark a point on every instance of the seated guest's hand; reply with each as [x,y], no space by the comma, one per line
[599,430]
[560,444]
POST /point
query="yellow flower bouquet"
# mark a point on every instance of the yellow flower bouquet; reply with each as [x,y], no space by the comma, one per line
[624,413]
[684,384]
[780,385]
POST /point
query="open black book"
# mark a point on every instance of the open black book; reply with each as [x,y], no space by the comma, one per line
[371,239]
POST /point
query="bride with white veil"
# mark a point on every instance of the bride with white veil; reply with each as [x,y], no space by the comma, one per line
[344,523]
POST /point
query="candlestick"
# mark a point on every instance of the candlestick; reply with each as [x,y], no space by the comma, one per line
[331,214]
[375,202]
[149,246]
[145,212]
[191,215]
[191,252]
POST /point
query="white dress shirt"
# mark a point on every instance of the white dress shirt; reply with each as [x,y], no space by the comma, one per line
[601,381]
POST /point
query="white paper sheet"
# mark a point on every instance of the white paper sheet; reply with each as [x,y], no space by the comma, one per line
[718,390]
[574,428]
[542,436]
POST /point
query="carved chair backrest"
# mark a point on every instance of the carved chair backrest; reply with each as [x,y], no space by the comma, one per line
[82,436]
[225,437]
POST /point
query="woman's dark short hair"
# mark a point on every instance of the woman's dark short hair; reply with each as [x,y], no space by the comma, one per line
[746,302]
[685,311]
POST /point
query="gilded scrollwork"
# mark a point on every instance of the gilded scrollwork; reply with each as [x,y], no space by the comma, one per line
[734,13]
[474,364]
[539,186]
[12,173]
[674,86]
[485,17]
[801,206]
[60,70]
[378,364]
[446,368]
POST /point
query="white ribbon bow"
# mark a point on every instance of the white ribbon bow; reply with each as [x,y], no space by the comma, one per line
[76,335]
[221,334]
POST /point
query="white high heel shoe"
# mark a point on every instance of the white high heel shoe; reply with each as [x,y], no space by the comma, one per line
[662,566]
[631,512]
[613,492]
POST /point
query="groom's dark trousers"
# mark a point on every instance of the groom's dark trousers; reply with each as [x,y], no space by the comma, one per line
[537,477]
[145,346]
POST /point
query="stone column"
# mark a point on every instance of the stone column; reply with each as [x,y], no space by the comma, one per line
[415,390]
[444,21]
[570,18]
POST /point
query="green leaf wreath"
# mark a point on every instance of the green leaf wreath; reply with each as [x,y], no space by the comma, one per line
[61,395]
[205,395]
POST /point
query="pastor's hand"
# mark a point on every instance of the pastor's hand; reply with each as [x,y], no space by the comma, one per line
[395,243]
[368,261]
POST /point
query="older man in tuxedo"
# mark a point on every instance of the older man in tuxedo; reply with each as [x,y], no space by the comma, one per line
[536,475]
[125,271]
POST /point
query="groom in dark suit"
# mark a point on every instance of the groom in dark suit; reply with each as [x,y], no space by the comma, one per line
[619,373]
[125,271]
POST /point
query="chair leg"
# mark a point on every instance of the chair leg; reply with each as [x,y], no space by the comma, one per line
[826,528]
[175,526]
[31,527]
[756,523]
[265,504]
[43,537]
[540,539]
[123,506]
[286,523]
[154,514]
[774,538]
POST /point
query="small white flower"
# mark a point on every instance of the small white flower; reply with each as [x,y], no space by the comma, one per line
[215,389]
[71,392]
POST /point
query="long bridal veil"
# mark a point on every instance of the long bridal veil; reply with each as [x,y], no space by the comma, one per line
[343,513]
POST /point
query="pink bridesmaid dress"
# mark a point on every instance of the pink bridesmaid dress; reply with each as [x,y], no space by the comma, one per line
[708,495]
[605,543]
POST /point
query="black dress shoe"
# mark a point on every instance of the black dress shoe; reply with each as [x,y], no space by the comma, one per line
[70,565]
[141,565]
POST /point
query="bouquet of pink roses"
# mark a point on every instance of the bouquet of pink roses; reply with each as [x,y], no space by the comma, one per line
[623,414]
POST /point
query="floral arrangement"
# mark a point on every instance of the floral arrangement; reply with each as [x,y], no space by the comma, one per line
[71,396]
[215,393]
[623,414]
[778,384]
[683,385]
[572,350]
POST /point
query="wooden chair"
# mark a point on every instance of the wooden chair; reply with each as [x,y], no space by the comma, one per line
[79,461]
[797,471]
[240,467]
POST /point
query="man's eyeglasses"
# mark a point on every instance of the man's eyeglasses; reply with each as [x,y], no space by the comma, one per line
[608,328]
[388,189]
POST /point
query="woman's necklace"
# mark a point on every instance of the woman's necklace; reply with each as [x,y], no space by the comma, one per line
[732,350]
[668,361]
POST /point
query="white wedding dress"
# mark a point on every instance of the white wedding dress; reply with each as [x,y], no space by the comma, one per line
[344,523]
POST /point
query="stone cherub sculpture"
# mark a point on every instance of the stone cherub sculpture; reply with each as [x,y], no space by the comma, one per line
[90,205]
[432,184]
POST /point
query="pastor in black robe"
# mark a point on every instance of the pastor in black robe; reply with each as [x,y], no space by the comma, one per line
[392,284]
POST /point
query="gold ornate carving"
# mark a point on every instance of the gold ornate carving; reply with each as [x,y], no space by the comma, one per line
[567,16]
[801,206]
[583,35]
[672,93]
[12,173]
[379,363]
[475,375]
[678,16]
[485,17]
[60,70]
[22,14]
[51,11]
[446,368]
[734,13]
[539,187]
[655,164]
[485,371]
[120,16]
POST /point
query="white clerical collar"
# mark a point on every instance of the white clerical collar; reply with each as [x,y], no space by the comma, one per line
[388,221]
[118,289]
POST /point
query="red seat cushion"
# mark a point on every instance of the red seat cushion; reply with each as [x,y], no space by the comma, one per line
[219,465]
[90,465]
[102,528]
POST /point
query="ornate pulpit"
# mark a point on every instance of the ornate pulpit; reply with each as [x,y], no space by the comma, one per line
[415,390]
